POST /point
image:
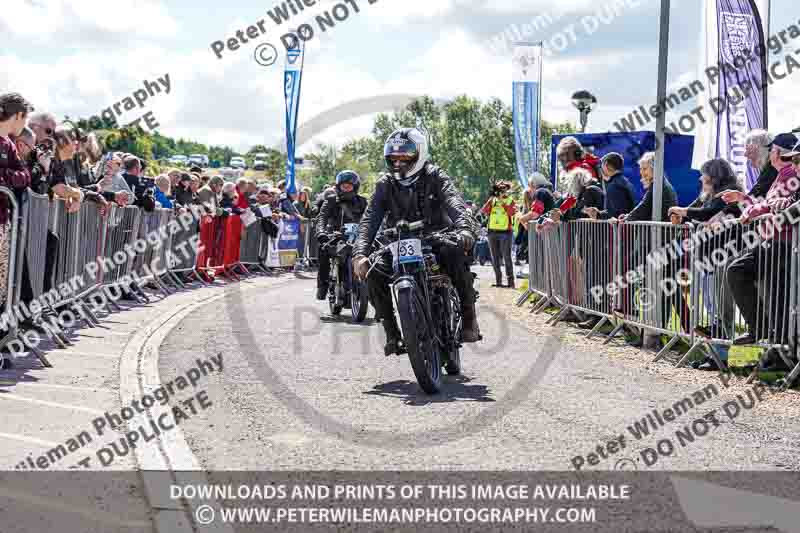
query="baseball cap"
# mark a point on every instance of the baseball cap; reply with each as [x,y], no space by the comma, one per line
[787,141]
[794,151]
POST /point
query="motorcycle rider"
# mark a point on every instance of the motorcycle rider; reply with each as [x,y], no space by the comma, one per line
[414,189]
[342,205]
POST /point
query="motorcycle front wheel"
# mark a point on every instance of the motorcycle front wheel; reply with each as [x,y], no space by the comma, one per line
[419,340]
[359,301]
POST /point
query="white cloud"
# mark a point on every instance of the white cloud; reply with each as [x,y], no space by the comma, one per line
[64,21]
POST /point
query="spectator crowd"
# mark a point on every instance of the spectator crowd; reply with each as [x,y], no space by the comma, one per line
[39,154]
[747,288]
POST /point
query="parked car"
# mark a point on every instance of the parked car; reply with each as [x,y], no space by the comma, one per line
[199,159]
[238,162]
[178,160]
[260,162]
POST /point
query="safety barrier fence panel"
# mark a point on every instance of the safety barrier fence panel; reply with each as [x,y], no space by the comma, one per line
[653,288]
[184,247]
[220,239]
[252,245]
[538,271]
[122,234]
[55,254]
[9,229]
[80,235]
[731,256]
[35,246]
[590,266]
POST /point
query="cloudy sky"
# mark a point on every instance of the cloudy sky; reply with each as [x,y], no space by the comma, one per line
[79,57]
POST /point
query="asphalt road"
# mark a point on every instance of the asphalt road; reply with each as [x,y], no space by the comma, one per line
[301,390]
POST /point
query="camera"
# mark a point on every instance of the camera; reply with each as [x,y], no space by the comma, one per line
[500,188]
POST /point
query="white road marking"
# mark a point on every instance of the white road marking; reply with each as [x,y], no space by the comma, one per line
[31,440]
[84,354]
[10,396]
[54,386]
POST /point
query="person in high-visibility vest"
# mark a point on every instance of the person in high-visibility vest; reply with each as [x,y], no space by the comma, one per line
[500,208]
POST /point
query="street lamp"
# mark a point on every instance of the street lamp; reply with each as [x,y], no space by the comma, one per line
[584,102]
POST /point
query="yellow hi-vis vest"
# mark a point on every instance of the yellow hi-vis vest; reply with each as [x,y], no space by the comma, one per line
[498,217]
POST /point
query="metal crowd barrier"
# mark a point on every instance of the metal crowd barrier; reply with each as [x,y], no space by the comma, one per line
[8,247]
[538,272]
[48,258]
[252,246]
[658,296]
[122,231]
[590,265]
[675,280]
[183,254]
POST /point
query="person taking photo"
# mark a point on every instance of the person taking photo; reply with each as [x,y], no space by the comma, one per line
[500,208]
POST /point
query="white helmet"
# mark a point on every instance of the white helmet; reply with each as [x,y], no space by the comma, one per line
[406,154]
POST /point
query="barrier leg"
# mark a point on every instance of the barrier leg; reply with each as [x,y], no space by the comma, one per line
[88,317]
[666,348]
[164,289]
[41,356]
[177,279]
[541,305]
[717,359]
[199,276]
[791,377]
[599,325]
[614,332]
[524,298]
[687,355]
[62,334]
[559,316]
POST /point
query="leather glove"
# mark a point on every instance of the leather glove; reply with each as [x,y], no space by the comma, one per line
[467,240]
[323,238]
[361,266]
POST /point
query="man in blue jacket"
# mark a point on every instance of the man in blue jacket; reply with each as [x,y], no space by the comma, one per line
[620,198]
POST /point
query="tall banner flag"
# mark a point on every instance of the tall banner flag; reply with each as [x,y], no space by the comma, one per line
[293,75]
[526,107]
[734,44]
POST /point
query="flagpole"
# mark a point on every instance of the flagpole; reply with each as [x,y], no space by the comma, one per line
[661,120]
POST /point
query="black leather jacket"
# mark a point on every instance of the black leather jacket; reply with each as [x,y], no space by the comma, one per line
[334,213]
[432,198]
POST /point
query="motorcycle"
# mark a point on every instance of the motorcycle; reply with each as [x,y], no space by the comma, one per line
[426,301]
[345,290]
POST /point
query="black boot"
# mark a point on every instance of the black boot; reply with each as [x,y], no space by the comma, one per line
[322,293]
[394,343]
[470,331]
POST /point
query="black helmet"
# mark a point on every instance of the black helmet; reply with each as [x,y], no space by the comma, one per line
[347,176]
[406,153]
